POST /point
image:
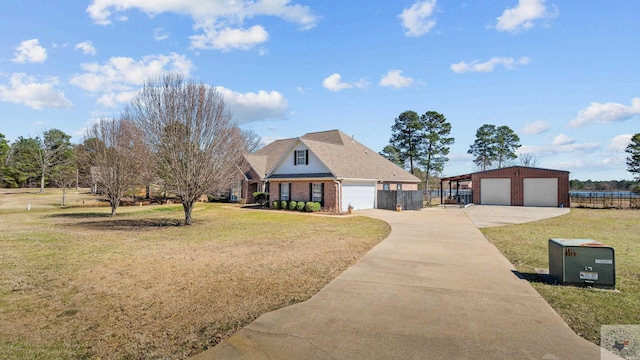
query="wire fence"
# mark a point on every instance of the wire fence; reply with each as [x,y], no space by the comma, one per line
[605,200]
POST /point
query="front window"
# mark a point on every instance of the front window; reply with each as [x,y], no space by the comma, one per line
[399,186]
[316,193]
[284,191]
[236,191]
[385,186]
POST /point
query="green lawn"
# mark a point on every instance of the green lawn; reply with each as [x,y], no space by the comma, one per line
[76,283]
[585,310]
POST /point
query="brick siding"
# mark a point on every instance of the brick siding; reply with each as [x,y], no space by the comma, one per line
[517,175]
[300,192]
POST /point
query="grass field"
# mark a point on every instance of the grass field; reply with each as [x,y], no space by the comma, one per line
[78,284]
[585,310]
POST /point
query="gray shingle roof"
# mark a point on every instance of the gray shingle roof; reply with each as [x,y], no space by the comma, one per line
[265,158]
[345,157]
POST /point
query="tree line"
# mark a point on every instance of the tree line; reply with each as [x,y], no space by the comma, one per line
[421,143]
[175,133]
[612,185]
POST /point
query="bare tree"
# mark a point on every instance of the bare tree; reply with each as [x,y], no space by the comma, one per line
[64,175]
[253,140]
[528,159]
[194,143]
[112,158]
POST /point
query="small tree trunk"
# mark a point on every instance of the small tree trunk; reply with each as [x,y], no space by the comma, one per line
[114,206]
[426,186]
[188,208]
[42,183]
[147,194]
[64,195]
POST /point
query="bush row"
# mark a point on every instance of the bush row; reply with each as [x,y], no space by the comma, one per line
[310,206]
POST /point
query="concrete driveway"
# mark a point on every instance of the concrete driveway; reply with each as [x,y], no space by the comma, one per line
[489,215]
[434,289]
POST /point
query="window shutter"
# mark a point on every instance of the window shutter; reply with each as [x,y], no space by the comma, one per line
[306,157]
[279,191]
[322,194]
[310,191]
[290,194]
[295,157]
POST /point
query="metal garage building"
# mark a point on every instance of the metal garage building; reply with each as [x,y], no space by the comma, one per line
[516,186]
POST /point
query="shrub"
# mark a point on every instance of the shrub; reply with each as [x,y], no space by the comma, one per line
[261,197]
[292,205]
[300,205]
[284,204]
[275,204]
[312,206]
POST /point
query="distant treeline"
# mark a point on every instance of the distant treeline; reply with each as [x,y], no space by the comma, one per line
[613,185]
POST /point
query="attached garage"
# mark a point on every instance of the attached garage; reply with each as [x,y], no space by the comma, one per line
[540,192]
[359,195]
[495,192]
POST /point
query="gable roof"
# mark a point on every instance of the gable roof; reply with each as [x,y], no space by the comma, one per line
[343,156]
[347,158]
[265,158]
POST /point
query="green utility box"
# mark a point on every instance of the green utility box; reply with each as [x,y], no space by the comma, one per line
[582,262]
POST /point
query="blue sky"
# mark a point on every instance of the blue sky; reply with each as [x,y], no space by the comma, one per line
[563,74]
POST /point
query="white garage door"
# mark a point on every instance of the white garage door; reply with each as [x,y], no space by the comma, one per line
[359,195]
[495,192]
[540,192]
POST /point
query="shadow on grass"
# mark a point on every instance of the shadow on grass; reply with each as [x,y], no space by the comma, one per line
[535,277]
[128,224]
[115,223]
[81,215]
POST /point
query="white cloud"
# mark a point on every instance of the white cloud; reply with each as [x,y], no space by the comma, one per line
[119,76]
[270,139]
[86,47]
[552,149]
[561,140]
[30,51]
[227,39]
[417,19]
[606,113]
[488,66]
[619,143]
[250,107]
[334,83]
[394,78]
[536,127]
[220,21]
[159,34]
[113,100]
[523,16]
[23,89]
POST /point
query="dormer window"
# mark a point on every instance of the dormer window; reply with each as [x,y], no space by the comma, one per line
[301,157]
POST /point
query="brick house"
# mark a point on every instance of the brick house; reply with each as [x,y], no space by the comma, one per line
[329,167]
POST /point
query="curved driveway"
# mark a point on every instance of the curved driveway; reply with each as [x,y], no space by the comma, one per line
[434,289]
